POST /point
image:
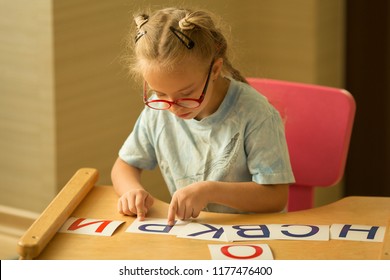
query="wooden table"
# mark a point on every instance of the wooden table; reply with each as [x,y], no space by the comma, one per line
[81,198]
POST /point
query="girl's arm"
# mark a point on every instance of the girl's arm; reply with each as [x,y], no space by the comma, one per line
[133,198]
[244,196]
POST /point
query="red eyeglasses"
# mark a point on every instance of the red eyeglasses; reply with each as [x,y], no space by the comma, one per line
[161,104]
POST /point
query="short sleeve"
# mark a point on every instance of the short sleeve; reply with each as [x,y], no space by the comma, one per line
[267,152]
[138,149]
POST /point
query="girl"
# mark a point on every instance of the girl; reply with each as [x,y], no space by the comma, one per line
[219,144]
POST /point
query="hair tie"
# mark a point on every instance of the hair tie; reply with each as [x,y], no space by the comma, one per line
[140,21]
[184,24]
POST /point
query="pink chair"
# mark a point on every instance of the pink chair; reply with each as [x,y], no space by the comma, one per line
[318,122]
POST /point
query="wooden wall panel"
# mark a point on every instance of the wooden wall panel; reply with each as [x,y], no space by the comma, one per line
[27,115]
[95,105]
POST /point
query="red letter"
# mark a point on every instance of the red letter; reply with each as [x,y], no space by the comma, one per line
[77,224]
[258,252]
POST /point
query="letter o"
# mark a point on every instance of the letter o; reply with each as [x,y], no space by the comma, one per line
[225,251]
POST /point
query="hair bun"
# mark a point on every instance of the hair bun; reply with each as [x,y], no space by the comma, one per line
[184,24]
[141,20]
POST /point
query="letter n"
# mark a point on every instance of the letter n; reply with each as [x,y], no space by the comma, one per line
[77,224]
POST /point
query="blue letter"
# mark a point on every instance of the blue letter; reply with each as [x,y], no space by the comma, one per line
[314,230]
[165,228]
[262,228]
[371,232]
[218,232]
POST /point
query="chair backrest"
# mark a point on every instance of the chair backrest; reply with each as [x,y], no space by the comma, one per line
[318,124]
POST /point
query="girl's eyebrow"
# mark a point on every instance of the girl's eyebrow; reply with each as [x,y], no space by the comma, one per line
[178,91]
[186,88]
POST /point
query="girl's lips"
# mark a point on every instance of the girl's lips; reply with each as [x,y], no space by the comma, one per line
[183,116]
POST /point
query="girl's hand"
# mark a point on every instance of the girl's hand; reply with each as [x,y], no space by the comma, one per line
[135,202]
[188,202]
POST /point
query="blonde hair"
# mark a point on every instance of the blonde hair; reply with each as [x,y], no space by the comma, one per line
[168,36]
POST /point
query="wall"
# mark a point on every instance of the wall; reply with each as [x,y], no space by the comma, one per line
[27,115]
[95,105]
[66,101]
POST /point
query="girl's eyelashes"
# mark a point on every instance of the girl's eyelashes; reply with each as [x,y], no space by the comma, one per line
[181,95]
[186,94]
[160,95]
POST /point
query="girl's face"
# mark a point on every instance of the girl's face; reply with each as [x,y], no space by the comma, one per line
[189,80]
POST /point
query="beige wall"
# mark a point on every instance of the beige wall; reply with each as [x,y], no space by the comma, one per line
[66,101]
[27,122]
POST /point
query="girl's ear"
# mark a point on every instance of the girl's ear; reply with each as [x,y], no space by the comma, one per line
[217,68]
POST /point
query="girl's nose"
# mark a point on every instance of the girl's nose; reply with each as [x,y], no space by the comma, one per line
[177,110]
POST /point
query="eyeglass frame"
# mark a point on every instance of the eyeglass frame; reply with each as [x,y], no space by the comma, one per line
[175,102]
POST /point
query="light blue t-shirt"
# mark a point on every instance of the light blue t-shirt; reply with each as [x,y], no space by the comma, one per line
[242,141]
